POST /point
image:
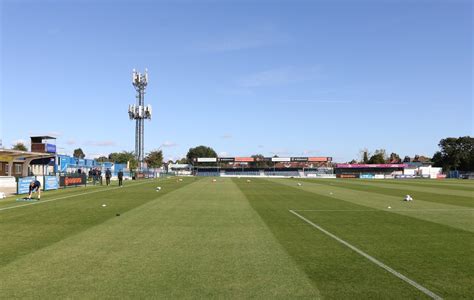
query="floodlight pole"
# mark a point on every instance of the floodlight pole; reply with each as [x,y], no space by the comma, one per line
[139,113]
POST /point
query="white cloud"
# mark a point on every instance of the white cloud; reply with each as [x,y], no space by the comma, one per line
[323,101]
[169,144]
[226,136]
[105,143]
[280,152]
[55,134]
[251,39]
[96,155]
[71,142]
[279,76]
[223,154]
[310,151]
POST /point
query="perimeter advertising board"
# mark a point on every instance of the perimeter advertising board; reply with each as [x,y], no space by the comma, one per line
[207,159]
[72,180]
[244,159]
[299,159]
[281,159]
[23,184]
[226,159]
[51,183]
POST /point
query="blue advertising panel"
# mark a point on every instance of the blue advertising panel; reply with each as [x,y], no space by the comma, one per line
[367,176]
[51,183]
[89,163]
[63,163]
[107,165]
[23,185]
[50,148]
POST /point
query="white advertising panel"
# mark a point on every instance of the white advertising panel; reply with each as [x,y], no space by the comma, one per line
[281,159]
[207,159]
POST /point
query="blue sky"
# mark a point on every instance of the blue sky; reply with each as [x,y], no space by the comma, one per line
[293,78]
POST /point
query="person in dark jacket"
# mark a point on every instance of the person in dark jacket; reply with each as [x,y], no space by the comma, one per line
[108,174]
[120,177]
[99,176]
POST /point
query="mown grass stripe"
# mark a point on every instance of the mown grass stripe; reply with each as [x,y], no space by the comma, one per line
[370,258]
[69,196]
[431,184]
[434,197]
[408,187]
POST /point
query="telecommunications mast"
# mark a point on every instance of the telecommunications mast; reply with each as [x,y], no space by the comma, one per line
[139,113]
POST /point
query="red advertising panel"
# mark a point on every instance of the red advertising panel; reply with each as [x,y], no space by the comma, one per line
[244,159]
[318,159]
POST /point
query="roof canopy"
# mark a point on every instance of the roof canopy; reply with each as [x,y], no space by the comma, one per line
[40,138]
[12,155]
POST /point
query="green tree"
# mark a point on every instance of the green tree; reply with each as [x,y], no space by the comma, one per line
[123,158]
[394,158]
[19,146]
[182,161]
[455,154]
[154,159]
[78,153]
[364,156]
[102,159]
[200,151]
[379,157]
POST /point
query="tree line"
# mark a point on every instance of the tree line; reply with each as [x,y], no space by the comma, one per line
[454,154]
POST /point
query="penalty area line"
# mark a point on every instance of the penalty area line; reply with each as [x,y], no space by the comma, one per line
[69,196]
[370,258]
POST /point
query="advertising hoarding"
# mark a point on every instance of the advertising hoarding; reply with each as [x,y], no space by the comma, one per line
[72,180]
[207,159]
[226,159]
[244,159]
[23,184]
[319,159]
[363,166]
[299,159]
[51,183]
[281,159]
[50,148]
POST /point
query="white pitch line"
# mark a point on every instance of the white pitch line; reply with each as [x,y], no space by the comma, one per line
[390,209]
[65,197]
[372,259]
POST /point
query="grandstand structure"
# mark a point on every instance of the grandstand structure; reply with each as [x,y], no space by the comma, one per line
[263,166]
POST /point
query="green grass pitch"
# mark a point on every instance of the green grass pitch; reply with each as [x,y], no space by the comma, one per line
[236,239]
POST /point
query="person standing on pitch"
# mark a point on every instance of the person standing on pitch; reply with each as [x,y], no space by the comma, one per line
[35,186]
[108,174]
[94,176]
[120,177]
[99,174]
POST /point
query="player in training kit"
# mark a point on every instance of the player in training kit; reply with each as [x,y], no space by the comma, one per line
[120,177]
[35,186]
[108,174]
